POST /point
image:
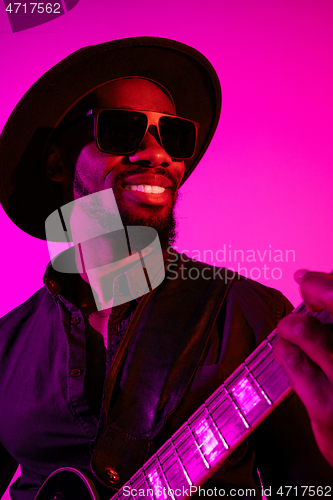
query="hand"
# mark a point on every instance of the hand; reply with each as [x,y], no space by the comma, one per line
[305,350]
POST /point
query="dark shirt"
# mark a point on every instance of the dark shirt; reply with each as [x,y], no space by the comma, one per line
[45,369]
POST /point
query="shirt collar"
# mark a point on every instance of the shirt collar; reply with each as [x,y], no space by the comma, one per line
[133,281]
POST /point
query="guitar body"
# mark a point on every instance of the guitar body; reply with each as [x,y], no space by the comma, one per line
[67,483]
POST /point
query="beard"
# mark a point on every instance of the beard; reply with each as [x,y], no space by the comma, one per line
[166,226]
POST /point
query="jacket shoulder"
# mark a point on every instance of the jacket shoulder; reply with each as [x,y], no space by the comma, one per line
[248,291]
[261,307]
[39,300]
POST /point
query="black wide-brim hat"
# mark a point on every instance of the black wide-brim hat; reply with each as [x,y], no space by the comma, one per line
[25,194]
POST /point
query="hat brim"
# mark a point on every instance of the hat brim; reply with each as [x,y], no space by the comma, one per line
[185,72]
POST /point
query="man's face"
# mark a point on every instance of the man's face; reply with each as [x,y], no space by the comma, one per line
[134,177]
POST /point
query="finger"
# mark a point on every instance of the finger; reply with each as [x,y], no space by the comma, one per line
[316,289]
[307,379]
[312,337]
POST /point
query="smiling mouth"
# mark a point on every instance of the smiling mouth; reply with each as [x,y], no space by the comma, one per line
[145,188]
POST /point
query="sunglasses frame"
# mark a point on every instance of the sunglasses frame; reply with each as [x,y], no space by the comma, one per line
[153,118]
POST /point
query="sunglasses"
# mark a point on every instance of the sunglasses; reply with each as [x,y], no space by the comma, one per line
[121,131]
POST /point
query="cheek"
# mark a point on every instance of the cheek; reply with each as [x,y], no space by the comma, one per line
[179,170]
[92,166]
[85,170]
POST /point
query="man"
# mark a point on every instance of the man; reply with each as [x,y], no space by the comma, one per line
[102,374]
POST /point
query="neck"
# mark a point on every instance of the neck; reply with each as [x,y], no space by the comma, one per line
[101,277]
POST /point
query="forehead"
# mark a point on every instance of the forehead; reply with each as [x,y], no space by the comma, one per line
[133,93]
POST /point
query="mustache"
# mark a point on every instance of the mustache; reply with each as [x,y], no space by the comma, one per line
[145,170]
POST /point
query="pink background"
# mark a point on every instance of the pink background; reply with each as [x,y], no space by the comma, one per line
[267,176]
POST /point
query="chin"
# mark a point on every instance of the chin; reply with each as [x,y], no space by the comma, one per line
[162,219]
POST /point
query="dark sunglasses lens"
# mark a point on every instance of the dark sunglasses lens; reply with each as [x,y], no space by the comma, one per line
[120,132]
[178,136]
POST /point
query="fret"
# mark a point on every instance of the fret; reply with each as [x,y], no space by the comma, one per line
[248,397]
[228,419]
[234,402]
[255,381]
[167,456]
[164,477]
[225,444]
[190,454]
[259,354]
[270,375]
[138,484]
[216,398]
[149,490]
[207,436]
[198,444]
[156,479]
[181,463]
[124,494]
[147,487]
[264,366]
[173,469]
[272,340]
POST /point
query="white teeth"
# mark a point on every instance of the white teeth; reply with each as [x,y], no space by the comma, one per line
[146,188]
[157,189]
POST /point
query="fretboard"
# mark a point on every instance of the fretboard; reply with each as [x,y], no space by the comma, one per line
[197,450]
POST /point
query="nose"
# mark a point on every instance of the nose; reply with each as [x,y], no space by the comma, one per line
[151,153]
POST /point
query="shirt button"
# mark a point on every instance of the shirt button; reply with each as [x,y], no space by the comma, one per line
[140,293]
[76,372]
[53,287]
[75,320]
[112,475]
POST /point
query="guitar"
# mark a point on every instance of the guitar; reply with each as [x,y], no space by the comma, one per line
[196,451]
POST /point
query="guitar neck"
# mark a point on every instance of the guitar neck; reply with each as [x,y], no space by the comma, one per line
[197,450]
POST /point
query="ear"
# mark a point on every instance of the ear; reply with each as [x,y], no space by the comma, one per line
[54,165]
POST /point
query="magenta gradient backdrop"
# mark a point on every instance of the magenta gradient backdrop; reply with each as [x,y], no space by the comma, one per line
[267,176]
